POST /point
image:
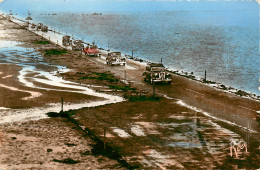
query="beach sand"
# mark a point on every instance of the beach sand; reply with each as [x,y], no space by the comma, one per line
[37,144]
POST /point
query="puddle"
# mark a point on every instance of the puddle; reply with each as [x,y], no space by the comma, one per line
[185,144]
[121,133]
[154,154]
[149,127]
[156,159]
[137,130]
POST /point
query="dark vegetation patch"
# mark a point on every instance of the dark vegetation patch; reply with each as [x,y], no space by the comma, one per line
[41,42]
[173,120]
[123,88]
[135,98]
[86,153]
[241,93]
[209,82]
[55,51]
[66,161]
[223,87]
[101,76]
[61,114]
[70,144]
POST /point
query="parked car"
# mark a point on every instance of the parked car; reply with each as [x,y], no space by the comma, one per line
[44,29]
[8,17]
[155,72]
[66,41]
[115,58]
[33,26]
[77,45]
[39,26]
[92,52]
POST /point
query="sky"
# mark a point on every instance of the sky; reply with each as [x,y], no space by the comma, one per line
[123,5]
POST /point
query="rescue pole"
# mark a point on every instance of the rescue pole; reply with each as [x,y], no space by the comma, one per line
[205,77]
[153,89]
[105,131]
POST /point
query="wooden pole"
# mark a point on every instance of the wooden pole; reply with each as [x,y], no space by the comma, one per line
[61,104]
[132,53]
[205,78]
[161,60]
[125,74]
[248,142]
[153,89]
[105,138]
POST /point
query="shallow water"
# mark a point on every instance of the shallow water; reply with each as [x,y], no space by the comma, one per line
[32,62]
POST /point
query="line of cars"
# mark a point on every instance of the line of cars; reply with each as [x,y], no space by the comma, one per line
[154,72]
[38,27]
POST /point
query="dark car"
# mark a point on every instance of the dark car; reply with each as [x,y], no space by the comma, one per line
[155,72]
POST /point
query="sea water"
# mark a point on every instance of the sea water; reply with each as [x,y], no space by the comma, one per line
[224,42]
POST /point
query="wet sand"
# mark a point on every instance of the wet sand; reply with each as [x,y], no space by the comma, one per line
[147,134]
[165,135]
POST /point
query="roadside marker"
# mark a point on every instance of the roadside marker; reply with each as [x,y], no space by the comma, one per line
[61,104]
[105,131]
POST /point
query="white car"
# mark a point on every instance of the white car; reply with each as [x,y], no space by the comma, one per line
[115,58]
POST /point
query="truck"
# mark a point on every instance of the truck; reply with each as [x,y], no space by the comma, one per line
[66,41]
[155,73]
[115,58]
